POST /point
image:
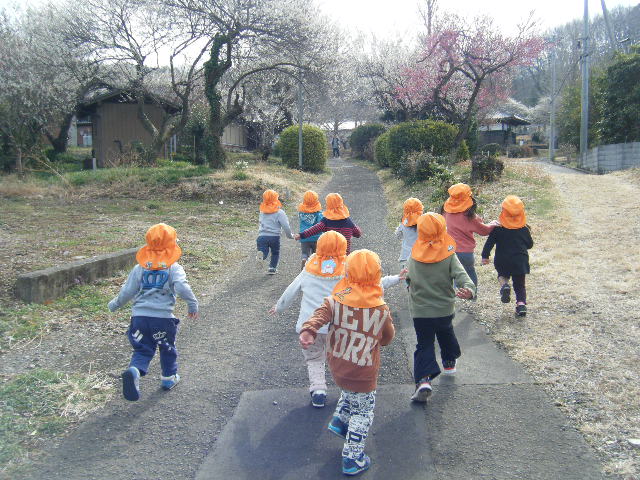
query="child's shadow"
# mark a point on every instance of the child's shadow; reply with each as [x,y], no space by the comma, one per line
[298,446]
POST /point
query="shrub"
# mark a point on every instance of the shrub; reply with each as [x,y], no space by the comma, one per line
[314,148]
[519,151]
[463,152]
[363,135]
[381,150]
[435,137]
[486,168]
[491,149]
[419,166]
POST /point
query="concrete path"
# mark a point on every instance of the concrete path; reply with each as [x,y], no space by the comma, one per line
[243,411]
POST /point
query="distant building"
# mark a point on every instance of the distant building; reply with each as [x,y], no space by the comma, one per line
[499,128]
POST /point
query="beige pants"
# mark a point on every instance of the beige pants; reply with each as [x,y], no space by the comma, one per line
[315,357]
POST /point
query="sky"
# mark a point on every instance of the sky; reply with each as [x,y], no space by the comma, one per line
[387,18]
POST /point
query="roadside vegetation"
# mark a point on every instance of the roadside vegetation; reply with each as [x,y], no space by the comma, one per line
[580,337]
[61,360]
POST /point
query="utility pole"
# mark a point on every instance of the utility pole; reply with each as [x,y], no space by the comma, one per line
[584,118]
[607,22]
[300,115]
[554,94]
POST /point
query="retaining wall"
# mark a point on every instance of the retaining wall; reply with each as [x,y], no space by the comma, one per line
[48,284]
[609,158]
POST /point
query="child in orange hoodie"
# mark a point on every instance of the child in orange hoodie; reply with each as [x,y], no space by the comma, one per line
[359,322]
[272,221]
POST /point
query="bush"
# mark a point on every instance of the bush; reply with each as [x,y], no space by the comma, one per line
[463,152]
[486,168]
[519,151]
[381,150]
[435,137]
[420,166]
[363,135]
[491,149]
[314,148]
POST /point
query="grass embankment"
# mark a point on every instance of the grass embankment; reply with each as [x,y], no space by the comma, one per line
[580,338]
[55,220]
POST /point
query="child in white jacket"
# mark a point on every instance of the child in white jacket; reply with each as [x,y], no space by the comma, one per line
[321,273]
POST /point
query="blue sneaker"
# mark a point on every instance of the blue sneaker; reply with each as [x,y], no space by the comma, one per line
[318,398]
[338,427]
[352,466]
[131,384]
[169,382]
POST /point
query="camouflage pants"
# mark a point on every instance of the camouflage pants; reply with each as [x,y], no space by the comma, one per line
[356,410]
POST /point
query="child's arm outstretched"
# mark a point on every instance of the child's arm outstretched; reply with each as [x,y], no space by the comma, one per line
[488,246]
[321,316]
[288,296]
[399,232]
[128,290]
[355,231]
[183,289]
[284,223]
[393,280]
[311,231]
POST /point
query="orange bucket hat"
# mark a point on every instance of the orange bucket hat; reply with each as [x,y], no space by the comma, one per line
[336,209]
[310,202]
[330,257]
[161,250]
[361,287]
[459,198]
[433,244]
[412,209]
[270,202]
[513,216]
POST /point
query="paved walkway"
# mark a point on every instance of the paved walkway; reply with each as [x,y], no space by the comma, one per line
[242,410]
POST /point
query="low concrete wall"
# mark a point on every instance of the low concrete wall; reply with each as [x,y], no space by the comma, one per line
[46,285]
[609,158]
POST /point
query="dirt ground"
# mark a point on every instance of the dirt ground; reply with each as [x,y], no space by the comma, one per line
[581,337]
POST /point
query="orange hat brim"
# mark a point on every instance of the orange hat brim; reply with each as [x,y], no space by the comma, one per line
[158,259]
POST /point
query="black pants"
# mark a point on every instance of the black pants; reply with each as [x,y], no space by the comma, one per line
[519,286]
[424,358]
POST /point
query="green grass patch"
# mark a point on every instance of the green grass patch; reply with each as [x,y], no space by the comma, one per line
[42,403]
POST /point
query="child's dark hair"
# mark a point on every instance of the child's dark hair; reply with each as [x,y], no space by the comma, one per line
[470,212]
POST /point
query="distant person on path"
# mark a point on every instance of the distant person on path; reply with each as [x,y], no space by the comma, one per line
[512,241]
[433,268]
[407,230]
[272,221]
[335,217]
[459,211]
[322,272]
[359,322]
[309,213]
[153,285]
[335,145]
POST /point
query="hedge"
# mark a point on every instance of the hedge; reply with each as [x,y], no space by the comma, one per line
[436,137]
[381,150]
[363,135]
[315,150]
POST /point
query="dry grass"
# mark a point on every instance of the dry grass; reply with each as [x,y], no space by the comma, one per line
[581,337]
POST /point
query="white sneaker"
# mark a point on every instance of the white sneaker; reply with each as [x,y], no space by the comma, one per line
[423,391]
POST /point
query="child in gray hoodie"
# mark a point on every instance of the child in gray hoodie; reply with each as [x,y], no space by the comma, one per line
[152,286]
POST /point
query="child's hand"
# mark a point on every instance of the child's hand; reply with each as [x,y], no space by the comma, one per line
[403,273]
[306,340]
[193,315]
[485,261]
[495,223]
[272,310]
[464,293]
[296,236]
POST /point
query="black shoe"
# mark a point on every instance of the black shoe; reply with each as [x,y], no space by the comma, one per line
[521,310]
[505,293]
[272,271]
[448,367]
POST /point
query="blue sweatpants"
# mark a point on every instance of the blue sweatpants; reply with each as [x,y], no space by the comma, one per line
[266,243]
[147,333]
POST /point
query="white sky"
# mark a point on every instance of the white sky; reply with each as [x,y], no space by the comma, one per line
[387,18]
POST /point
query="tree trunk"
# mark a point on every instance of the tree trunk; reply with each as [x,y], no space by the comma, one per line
[19,168]
[468,115]
[60,142]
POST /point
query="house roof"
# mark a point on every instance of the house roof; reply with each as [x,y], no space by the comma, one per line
[506,118]
[119,95]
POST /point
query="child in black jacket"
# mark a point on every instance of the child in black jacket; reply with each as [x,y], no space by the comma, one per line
[512,241]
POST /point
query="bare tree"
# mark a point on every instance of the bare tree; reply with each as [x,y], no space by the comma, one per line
[428,12]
